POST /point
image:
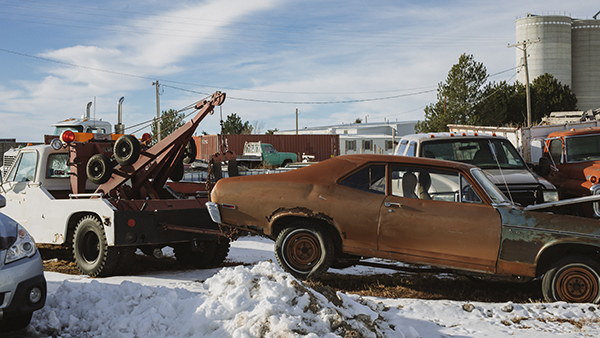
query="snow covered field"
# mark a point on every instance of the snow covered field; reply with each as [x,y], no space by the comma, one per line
[263,301]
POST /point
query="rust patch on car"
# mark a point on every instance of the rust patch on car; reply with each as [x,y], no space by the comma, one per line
[298,211]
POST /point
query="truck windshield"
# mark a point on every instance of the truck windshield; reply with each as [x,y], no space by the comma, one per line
[75,129]
[583,148]
[484,153]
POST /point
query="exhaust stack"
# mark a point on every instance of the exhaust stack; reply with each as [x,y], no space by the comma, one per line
[119,127]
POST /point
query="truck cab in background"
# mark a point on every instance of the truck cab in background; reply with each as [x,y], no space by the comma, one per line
[496,155]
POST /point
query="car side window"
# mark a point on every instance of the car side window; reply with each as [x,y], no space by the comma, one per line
[24,170]
[431,184]
[556,150]
[370,179]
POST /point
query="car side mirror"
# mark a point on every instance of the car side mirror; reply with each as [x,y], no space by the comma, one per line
[543,167]
[2,201]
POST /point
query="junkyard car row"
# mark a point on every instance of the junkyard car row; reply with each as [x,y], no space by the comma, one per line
[414,210]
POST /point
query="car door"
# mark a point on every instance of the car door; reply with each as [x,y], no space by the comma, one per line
[16,184]
[448,225]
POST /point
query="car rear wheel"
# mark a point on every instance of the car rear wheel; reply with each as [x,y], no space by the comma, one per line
[304,250]
[575,279]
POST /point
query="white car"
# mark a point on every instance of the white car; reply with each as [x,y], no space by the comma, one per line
[22,282]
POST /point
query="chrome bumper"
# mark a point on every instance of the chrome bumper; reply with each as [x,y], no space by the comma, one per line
[213,211]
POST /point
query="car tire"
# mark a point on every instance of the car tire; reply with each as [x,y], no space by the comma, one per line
[198,259]
[574,279]
[91,252]
[98,169]
[127,150]
[15,323]
[304,250]
[189,153]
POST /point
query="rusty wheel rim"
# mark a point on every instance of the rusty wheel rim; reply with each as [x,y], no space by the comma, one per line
[577,284]
[302,251]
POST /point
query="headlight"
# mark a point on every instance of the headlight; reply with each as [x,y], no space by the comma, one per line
[550,195]
[23,247]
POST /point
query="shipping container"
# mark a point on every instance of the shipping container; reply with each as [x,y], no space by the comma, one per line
[321,147]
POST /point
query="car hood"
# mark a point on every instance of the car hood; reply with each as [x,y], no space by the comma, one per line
[8,231]
[517,177]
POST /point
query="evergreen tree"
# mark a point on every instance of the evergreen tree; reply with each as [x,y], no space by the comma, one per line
[234,125]
[170,121]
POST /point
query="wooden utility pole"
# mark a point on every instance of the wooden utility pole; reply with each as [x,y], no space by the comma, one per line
[296,121]
[523,46]
[157,111]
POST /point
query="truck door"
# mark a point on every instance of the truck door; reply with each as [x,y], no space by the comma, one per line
[435,217]
[15,185]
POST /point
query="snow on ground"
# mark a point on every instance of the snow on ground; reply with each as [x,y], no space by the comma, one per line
[261,300]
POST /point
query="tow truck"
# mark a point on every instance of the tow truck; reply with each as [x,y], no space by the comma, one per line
[105,198]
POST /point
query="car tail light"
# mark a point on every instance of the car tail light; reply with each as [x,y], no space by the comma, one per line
[67,136]
[228,206]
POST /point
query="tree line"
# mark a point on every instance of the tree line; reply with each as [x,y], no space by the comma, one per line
[466,97]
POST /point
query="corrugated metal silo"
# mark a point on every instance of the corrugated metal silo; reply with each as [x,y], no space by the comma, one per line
[552,54]
[586,63]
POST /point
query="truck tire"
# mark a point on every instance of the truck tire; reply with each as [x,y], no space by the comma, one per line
[221,252]
[574,279]
[98,169]
[200,259]
[177,173]
[127,150]
[304,250]
[189,153]
[91,252]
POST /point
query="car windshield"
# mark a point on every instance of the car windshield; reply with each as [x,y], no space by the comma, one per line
[484,152]
[583,148]
[490,188]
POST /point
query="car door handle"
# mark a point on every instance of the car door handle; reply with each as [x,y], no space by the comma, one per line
[389,204]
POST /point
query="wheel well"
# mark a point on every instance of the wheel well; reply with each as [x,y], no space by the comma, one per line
[284,222]
[555,253]
[72,223]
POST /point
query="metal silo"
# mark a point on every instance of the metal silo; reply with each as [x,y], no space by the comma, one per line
[552,54]
[586,63]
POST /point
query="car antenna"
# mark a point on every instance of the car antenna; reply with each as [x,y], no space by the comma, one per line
[495,154]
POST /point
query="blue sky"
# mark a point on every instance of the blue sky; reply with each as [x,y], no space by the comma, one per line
[334,61]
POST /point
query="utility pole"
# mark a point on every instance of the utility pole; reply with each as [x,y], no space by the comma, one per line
[523,46]
[157,111]
[296,121]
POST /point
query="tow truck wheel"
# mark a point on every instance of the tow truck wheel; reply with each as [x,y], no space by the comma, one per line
[91,252]
[98,169]
[304,250]
[200,258]
[575,279]
[127,150]
[177,173]
[221,252]
[189,153]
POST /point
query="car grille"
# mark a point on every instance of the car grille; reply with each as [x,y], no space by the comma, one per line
[524,195]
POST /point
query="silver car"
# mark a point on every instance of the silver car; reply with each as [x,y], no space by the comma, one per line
[22,282]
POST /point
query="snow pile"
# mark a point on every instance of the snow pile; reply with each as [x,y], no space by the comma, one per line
[261,301]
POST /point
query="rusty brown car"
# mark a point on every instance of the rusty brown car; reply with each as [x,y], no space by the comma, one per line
[414,210]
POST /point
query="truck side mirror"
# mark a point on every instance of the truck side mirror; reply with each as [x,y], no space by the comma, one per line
[543,167]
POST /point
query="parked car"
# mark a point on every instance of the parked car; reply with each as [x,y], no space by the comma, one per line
[22,282]
[414,210]
[492,153]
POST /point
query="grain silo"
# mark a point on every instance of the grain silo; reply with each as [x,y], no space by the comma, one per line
[585,65]
[552,54]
